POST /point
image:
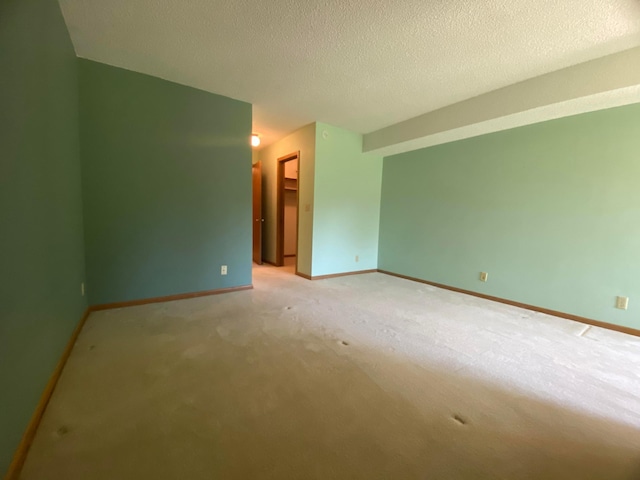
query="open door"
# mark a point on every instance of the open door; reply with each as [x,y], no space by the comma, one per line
[284,185]
[256,174]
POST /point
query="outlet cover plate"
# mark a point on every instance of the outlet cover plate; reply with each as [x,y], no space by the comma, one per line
[622,303]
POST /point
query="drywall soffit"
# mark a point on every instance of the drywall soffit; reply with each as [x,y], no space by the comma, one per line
[606,82]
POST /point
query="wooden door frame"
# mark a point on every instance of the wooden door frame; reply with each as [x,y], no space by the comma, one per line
[260,220]
[280,209]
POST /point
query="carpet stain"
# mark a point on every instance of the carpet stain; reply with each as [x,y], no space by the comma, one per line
[459,419]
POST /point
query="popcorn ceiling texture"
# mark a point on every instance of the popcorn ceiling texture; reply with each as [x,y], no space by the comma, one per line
[359,65]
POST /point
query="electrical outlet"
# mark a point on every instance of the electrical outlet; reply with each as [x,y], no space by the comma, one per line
[82,288]
[357,258]
[622,303]
[484,276]
[223,270]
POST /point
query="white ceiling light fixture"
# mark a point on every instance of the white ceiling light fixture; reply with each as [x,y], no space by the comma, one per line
[255,140]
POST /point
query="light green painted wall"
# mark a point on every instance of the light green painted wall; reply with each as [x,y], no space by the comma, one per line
[167,186]
[304,140]
[346,214]
[551,211]
[41,243]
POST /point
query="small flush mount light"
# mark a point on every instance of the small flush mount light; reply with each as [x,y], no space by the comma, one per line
[255,140]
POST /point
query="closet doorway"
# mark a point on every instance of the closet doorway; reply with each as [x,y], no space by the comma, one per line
[288,210]
[258,220]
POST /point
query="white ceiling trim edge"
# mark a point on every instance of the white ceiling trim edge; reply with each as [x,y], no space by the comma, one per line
[617,98]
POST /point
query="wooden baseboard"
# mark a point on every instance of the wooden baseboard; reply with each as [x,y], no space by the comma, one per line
[27,438]
[555,313]
[345,274]
[289,256]
[168,298]
[334,275]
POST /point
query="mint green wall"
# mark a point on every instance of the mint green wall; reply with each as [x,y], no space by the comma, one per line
[303,140]
[166,186]
[551,211]
[346,203]
[42,258]
[341,188]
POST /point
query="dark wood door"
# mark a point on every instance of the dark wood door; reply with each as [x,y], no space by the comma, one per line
[257,213]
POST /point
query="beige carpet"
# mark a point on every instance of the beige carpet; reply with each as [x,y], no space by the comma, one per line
[361,377]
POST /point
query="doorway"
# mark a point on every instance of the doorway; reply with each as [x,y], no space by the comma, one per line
[288,178]
[258,220]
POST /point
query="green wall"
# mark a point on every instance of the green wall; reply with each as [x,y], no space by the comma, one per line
[166,173]
[41,245]
[551,211]
[341,188]
[346,214]
[303,140]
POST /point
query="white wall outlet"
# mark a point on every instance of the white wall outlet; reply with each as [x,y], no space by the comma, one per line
[484,276]
[622,303]
[357,258]
[82,288]
[223,270]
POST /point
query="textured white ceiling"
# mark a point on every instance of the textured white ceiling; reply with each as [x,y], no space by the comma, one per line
[360,65]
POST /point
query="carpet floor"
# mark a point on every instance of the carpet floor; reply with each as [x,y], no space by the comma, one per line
[359,377]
